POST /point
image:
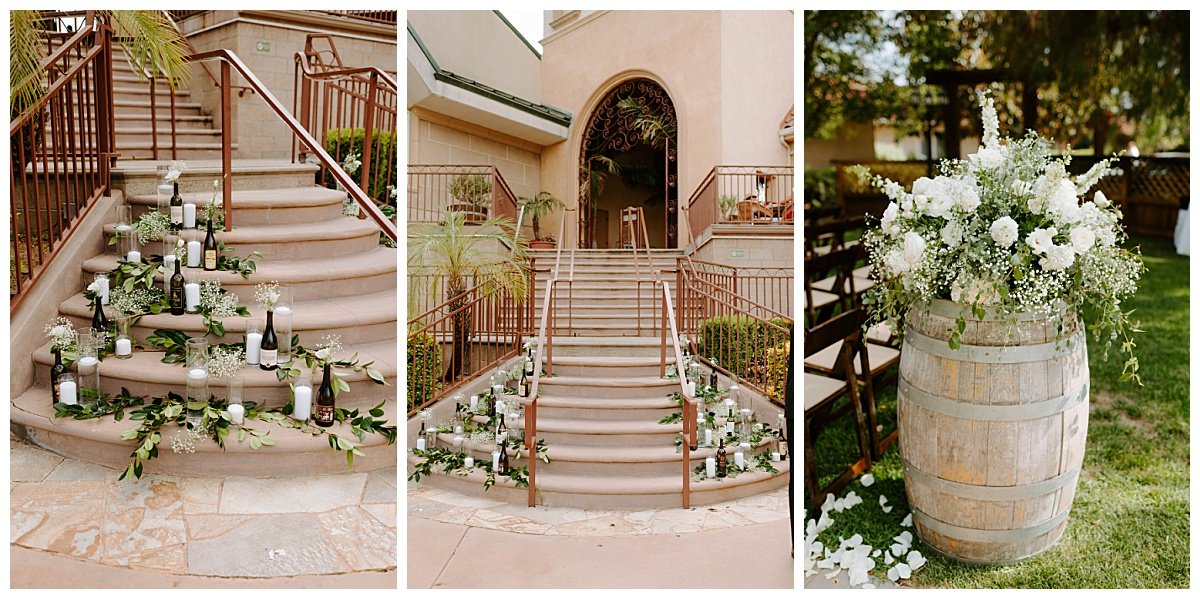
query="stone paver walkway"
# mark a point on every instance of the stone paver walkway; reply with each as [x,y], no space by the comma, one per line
[208,527]
[451,536]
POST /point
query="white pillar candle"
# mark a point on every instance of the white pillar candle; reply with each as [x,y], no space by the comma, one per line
[168,269]
[302,407]
[103,290]
[775,457]
[66,393]
[134,256]
[253,344]
[421,444]
[474,402]
[124,347]
[739,459]
[708,436]
[469,462]
[710,467]
[745,413]
[191,293]
[189,216]
[458,429]
[744,447]
[495,461]
[691,388]
[193,254]
[237,413]
[197,373]
[122,228]
[88,361]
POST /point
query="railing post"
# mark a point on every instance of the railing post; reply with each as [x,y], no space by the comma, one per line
[368,136]
[662,354]
[103,88]
[226,145]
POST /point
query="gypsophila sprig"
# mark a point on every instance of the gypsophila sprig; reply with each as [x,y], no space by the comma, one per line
[61,333]
[267,295]
[215,302]
[135,301]
[152,226]
[225,361]
[1005,228]
[327,351]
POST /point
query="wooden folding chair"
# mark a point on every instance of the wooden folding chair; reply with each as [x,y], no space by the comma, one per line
[839,295]
[842,334]
[847,274]
[822,238]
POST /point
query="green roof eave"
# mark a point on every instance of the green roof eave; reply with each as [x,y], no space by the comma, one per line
[518,34]
[550,113]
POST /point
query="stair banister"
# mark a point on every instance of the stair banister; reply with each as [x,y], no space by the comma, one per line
[689,402]
[229,59]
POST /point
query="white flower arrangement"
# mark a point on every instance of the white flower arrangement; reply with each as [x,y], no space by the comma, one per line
[180,251]
[214,211]
[215,302]
[351,164]
[61,333]
[267,295]
[225,361]
[175,169]
[1005,228]
[152,226]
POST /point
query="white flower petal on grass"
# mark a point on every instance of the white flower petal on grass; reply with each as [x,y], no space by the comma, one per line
[853,541]
[868,479]
[915,560]
[833,574]
[810,528]
[828,505]
[883,504]
[898,548]
[887,558]
[876,553]
[839,505]
[899,571]
[851,499]
[824,522]
[907,521]
[904,537]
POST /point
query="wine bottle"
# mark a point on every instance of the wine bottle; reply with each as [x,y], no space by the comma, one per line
[491,409]
[524,388]
[722,459]
[421,445]
[502,469]
[176,209]
[501,431]
[712,379]
[100,322]
[177,291]
[268,353]
[210,249]
[56,371]
[325,402]
[529,368]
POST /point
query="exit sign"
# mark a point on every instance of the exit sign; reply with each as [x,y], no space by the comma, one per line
[264,46]
[736,254]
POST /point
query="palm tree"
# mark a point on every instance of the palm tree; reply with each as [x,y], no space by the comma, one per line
[592,173]
[538,206]
[655,130]
[465,255]
[148,37]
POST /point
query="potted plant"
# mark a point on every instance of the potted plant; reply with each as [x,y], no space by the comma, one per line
[537,207]
[473,193]
[728,206]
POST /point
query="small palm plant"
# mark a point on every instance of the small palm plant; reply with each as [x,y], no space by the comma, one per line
[539,206]
[466,257]
[473,190]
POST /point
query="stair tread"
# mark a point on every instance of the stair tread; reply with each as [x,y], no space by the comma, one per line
[332,313]
[341,227]
[607,381]
[377,261]
[609,362]
[619,454]
[257,198]
[589,403]
[32,408]
[209,167]
[605,427]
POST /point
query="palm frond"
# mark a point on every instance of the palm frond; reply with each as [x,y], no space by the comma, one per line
[595,169]
[152,44]
[477,252]
[652,125]
[24,67]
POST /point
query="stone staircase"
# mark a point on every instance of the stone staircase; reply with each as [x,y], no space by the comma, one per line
[599,411]
[344,283]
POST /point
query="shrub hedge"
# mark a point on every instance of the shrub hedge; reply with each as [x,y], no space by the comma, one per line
[341,142]
[743,345]
[424,368]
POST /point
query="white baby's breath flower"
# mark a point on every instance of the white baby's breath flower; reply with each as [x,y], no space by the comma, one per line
[952,234]
[217,303]
[267,295]
[1058,257]
[61,332]
[1082,239]
[1041,239]
[1004,231]
[987,158]
[225,361]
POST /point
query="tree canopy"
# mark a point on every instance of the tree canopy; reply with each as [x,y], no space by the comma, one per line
[1092,69]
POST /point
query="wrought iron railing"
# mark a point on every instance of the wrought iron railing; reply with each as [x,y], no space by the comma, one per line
[62,147]
[743,195]
[768,286]
[374,16]
[351,111]
[478,191]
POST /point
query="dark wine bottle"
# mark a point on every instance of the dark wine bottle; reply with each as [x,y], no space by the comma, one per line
[525,382]
[100,322]
[421,435]
[176,209]
[722,459]
[491,409]
[502,468]
[56,371]
[324,414]
[268,354]
[177,291]
[712,379]
[501,431]
[529,368]
[210,249]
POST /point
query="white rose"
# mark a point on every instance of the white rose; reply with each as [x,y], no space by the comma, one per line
[895,263]
[921,186]
[1064,203]
[952,234]
[987,158]
[1101,200]
[95,286]
[888,222]
[1058,257]
[1041,239]
[967,197]
[1082,239]
[914,248]
[941,197]
[1004,231]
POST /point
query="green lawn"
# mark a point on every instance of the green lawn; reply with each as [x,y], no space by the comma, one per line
[1130,524]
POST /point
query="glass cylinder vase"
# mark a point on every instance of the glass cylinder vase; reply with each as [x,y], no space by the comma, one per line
[87,369]
[302,395]
[284,309]
[124,344]
[254,335]
[197,396]
[197,357]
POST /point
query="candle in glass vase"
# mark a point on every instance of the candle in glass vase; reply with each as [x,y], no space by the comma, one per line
[103,289]
[193,254]
[303,404]
[237,413]
[134,256]
[469,462]
[67,393]
[168,268]
[197,373]
[191,293]
[495,461]
[253,344]
[710,467]
[775,457]
[691,388]
[458,429]
[189,216]
[474,402]
[739,459]
[124,228]
[124,347]
[707,436]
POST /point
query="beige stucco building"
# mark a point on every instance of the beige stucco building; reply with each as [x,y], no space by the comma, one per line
[478,94]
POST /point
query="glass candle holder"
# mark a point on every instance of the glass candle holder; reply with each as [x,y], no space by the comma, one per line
[302,396]
[284,309]
[124,218]
[128,248]
[68,390]
[195,247]
[254,334]
[197,395]
[87,371]
[197,357]
[124,344]
[237,386]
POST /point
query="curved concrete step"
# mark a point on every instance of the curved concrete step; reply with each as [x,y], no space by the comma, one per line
[607,387]
[372,272]
[564,431]
[146,374]
[627,492]
[590,345]
[642,366]
[99,442]
[343,236]
[623,409]
[140,177]
[264,206]
[366,318]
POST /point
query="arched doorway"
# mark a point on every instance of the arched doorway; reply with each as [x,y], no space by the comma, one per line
[646,173]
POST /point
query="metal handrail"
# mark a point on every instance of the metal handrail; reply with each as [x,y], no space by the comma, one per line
[229,59]
[689,402]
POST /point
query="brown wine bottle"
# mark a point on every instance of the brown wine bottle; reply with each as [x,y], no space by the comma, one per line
[722,459]
[325,401]
[210,249]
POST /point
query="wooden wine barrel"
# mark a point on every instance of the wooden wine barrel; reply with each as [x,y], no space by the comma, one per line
[991,434]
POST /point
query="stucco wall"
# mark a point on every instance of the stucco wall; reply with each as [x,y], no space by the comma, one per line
[690,54]
[258,132]
[478,45]
[854,141]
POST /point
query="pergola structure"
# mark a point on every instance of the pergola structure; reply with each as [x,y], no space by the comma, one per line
[951,79]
